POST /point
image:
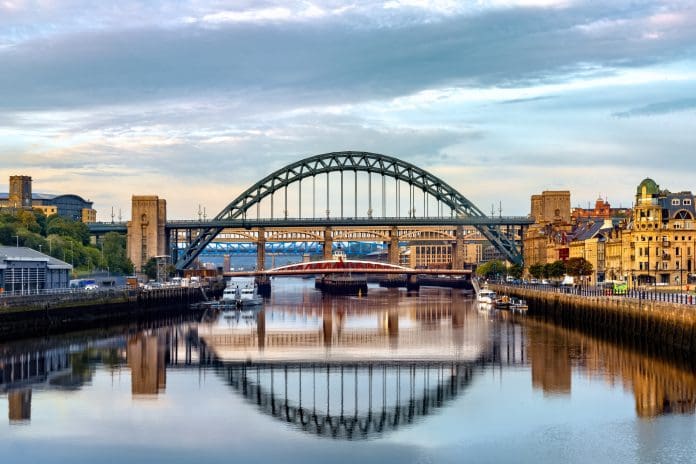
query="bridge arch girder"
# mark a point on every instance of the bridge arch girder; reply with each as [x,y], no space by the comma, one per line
[358,162]
[348,235]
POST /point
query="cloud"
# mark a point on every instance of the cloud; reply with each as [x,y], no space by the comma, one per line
[659,108]
[322,62]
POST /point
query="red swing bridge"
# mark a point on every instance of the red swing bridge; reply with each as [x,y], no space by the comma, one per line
[347,276]
[347,266]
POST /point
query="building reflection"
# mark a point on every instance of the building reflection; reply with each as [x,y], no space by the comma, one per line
[146,359]
[19,402]
[549,354]
[658,386]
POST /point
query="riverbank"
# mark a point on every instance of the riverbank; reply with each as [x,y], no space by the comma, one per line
[35,315]
[656,326]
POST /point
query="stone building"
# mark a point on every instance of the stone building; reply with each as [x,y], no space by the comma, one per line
[660,237]
[69,206]
[147,236]
[547,239]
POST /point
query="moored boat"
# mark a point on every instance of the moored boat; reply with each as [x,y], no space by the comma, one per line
[518,305]
[486,295]
[502,302]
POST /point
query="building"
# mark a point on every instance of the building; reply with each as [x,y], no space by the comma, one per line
[653,243]
[23,270]
[147,237]
[20,192]
[552,206]
[660,238]
[69,206]
[601,210]
[547,239]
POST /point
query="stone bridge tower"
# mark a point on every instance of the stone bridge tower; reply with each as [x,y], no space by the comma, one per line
[147,236]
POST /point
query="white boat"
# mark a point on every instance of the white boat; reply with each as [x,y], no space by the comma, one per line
[242,297]
[486,295]
[518,305]
[248,297]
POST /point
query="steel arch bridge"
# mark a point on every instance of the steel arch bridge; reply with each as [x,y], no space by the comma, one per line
[385,166]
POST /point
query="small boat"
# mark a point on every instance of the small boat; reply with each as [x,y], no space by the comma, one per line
[502,302]
[243,297]
[248,296]
[486,295]
[518,305]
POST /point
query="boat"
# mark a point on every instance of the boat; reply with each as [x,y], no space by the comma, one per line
[241,297]
[486,295]
[518,305]
[248,297]
[502,302]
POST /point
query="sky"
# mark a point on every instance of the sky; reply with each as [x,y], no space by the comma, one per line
[196,100]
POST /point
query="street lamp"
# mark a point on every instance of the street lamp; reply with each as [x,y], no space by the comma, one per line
[17,237]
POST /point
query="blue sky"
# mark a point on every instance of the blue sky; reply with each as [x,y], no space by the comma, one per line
[196,100]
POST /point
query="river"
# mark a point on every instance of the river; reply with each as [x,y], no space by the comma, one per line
[390,378]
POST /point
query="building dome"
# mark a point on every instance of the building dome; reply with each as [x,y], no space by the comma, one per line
[648,187]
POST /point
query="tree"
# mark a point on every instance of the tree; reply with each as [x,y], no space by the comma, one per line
[556,270]
[150,268]
[516,271]
[114,252]
[578,267]
[491,268]
[536,270]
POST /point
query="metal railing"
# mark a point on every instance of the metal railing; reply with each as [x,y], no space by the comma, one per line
[647,294]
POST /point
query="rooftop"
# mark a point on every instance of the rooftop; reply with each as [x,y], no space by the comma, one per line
[10,253]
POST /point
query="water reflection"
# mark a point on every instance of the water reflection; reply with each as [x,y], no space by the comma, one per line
[346,368]
[658,386]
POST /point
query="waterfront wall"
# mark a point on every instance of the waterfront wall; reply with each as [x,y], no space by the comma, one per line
[22,316]
[662,327]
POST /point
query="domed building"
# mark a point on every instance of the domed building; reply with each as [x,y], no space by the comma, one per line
[660,239]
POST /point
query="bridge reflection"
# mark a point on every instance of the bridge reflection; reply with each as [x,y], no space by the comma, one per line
[349,401]
[340,368]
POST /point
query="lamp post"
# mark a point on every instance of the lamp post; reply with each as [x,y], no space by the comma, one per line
[17,237]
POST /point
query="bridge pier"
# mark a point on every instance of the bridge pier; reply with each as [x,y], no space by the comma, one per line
[458,249]
[328,243]
[393,247]
[261,250]
[412,284]
[263,285]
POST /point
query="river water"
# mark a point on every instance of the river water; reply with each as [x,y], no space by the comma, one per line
[388,378]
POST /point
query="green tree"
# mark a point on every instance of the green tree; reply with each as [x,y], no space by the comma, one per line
[150,268]
[491,269]
[556,270]
[114,251]
[536,270]
[578,267]
[67,228]
[516,271]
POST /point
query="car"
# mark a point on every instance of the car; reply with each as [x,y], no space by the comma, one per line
[91,287]
[545,282]
[534,281]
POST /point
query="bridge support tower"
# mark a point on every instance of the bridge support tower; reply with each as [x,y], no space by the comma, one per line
[393,247]
[261,250]
[412,284]
[328,243]
[458,249]
[147,236]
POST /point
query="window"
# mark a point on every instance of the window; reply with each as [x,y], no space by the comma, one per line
[676,202]
[686,201]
